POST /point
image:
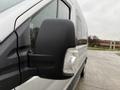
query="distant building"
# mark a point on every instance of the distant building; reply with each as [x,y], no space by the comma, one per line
[109,43]
[94,41]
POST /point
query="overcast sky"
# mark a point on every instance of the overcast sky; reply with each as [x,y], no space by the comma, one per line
[103,18]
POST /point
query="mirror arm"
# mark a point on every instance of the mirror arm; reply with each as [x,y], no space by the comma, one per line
[35,60]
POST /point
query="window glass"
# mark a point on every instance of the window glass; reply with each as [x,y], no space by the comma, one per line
[63,11]
[48,12]
[5,4]
[79,28]
[81,37]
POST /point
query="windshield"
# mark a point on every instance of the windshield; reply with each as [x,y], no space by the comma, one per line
[5,4]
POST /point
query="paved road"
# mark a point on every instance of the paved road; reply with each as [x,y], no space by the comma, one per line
[102,72]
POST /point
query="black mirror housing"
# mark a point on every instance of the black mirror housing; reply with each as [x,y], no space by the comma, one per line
[54,38]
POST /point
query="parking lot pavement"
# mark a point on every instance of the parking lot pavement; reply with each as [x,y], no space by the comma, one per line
[102,72]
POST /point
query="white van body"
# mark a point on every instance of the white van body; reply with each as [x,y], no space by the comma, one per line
[12,18]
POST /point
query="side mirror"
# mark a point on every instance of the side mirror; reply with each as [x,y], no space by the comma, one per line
[54,38]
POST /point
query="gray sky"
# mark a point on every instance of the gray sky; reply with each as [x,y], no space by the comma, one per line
[103,18]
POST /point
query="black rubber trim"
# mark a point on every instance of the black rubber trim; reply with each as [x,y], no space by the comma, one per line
[18,58]
[68,7]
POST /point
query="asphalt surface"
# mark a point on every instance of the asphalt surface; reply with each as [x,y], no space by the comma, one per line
[102,72]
